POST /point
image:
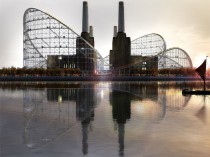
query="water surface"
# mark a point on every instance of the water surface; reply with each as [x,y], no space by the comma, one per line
[100,119]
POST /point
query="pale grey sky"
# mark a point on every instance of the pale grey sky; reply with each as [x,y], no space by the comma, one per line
[182,23]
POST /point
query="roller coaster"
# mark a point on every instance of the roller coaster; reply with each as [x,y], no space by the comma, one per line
[46,36]
[154,45]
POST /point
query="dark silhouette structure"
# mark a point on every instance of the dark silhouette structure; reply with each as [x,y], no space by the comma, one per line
[121,112]
[85,104]
[120,55]
[121,44]
[85,56]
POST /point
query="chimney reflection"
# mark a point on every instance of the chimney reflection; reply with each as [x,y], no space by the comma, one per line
[121,112]
[85,103]
[50,112]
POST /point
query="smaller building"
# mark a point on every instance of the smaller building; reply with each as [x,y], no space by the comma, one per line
[61,61]
[144,62]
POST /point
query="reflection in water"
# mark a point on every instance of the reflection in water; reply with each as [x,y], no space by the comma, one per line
[163,96]
[139,90]
[121,111]
[124,95]
[51,110]
[86,102]
[201,113]
[173,96]
[47,115]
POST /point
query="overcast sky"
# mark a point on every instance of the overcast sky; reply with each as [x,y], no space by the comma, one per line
[182,23]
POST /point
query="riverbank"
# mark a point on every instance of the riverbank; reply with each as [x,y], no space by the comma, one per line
[98,78]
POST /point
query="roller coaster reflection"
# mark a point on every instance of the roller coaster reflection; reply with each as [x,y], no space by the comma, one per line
[51,112]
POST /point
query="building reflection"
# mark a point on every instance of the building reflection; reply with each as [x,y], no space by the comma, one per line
[86,102]
[139,90]
[121,112]
[51,112]
[153,99]
[167,95]
[170,96]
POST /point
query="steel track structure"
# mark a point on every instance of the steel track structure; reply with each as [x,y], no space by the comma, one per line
[154,46]
[46,36]
[148,45]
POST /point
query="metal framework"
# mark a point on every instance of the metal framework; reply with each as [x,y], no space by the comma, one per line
[174,58]
[149,52]
[46,36]
[153,45]
[148,45]
[49,41]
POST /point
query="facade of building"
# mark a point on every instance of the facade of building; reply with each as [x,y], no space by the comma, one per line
[120,55]
[145,53]
[49,43]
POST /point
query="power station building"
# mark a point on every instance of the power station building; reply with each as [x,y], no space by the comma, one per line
[49,43]
[145,53]
[121,44]
[120,55]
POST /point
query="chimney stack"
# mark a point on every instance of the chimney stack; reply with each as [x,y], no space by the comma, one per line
[91,31]
[85,17]
[121,27]
[115,31]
